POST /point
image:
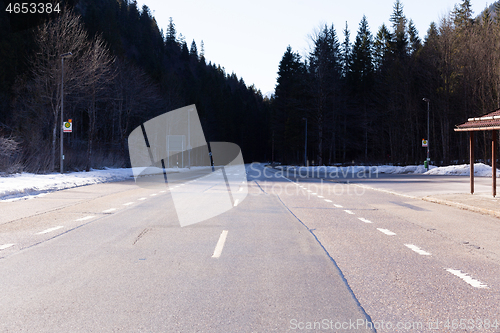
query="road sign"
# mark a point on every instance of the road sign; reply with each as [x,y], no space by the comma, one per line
[424,143]
[68,126]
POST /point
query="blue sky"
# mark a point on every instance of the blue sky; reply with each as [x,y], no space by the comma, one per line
[250,37]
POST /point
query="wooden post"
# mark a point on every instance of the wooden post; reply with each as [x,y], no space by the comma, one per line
[494,161]
[471,157]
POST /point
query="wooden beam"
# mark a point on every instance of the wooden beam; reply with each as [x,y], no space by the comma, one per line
[471,158]
[494,161]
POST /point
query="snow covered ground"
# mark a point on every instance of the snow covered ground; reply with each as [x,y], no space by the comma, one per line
[26,185]
[480,170]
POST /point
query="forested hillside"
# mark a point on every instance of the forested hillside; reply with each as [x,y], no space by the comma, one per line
[124,71]
[363,98]
[361,95]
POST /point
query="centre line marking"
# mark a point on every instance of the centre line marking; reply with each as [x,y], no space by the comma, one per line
[338,206]
[220,244]
[5,246]
[49,230]
[473,282]
[348,211]
[417,249]
[364,220]
[109,210]
[128,203]
[85,218]
[387,232]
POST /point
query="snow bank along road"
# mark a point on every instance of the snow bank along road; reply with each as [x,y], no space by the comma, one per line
[295,255]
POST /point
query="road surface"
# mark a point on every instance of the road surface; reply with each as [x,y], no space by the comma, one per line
[296,255]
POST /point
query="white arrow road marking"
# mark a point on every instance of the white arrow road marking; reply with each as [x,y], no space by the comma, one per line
[85,218]
[387,232]
[220,244]
[364,220]
[473,282]
[50,230]
[417,249]
[5,246]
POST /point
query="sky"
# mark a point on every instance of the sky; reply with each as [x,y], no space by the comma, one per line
[249,38]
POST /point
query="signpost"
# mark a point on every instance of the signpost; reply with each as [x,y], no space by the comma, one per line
[68,126]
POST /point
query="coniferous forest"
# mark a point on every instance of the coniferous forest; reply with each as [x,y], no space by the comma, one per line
[361,95]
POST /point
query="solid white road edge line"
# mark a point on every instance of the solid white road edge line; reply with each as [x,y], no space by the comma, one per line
[417,249]
[220,244]
[387,232]
[49,230]
[85,218]
[5,246]
[473,282]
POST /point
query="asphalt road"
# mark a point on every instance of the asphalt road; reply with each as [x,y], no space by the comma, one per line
[296,255]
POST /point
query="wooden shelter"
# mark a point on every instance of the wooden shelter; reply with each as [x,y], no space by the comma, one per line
[488,122]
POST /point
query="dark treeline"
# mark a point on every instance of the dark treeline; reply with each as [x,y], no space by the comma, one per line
[363,98]
[124,71]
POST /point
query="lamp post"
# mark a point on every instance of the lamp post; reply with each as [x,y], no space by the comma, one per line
[66,55]
[428,135]
[305,145]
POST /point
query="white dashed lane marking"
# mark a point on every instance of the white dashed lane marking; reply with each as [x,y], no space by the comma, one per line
[109,210]
[348,211]
[387,232]
[364,220]
[50,230]
[128,203]
[142,199]
[338,206]
[220,244]
[473,282]
[5,246]
[417,249]
[85,218]
[328,200]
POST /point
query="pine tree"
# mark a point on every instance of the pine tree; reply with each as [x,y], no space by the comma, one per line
[171,33]
[193,51]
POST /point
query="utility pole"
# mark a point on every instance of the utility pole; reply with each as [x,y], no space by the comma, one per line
[66,55]
[428,133]
[305,146]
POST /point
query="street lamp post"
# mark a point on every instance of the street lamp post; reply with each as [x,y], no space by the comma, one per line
[428,135]
[305,145]
[66,55]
